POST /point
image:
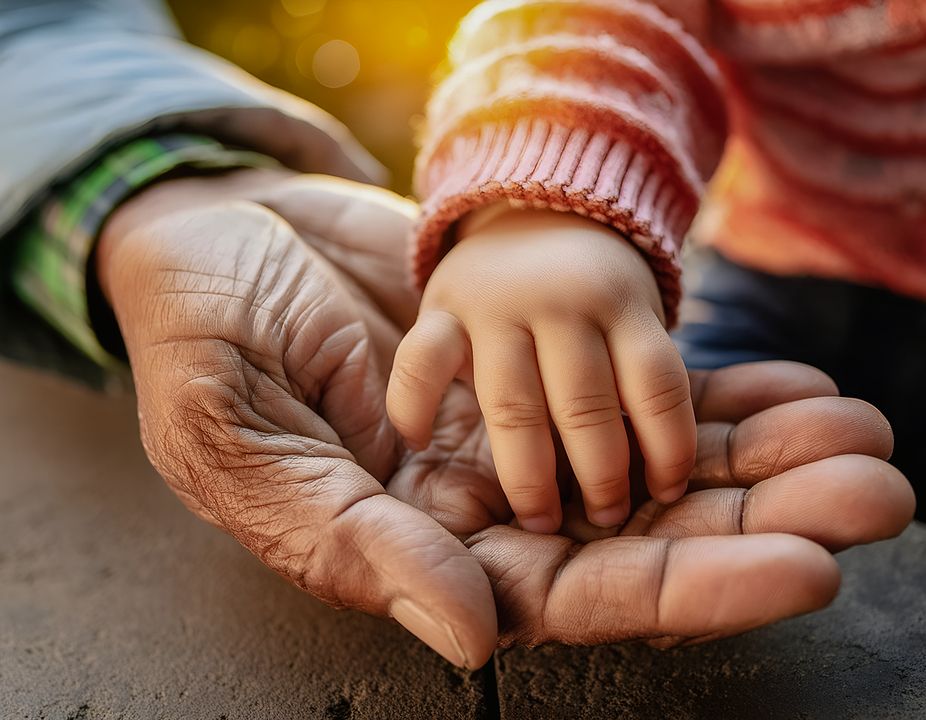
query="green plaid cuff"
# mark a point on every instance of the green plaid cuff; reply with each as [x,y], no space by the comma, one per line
[50,270]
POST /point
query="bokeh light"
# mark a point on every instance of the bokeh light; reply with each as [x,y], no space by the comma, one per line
[305,53]
[290,26]
[336,64]
[298,8]
[370,63]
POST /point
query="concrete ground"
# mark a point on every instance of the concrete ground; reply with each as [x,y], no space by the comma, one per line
[116,602]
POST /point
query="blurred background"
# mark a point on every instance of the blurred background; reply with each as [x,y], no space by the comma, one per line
[370,63]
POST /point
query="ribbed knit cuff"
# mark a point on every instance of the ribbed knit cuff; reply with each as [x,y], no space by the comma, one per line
[535,164]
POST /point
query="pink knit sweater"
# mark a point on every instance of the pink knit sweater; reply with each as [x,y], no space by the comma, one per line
[621,109]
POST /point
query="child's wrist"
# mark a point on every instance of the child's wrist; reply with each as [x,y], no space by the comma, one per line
[477,219]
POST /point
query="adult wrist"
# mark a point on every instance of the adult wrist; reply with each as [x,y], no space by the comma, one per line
[53,271]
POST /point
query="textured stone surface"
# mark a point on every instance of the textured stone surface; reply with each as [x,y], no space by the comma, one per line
[863,658]
[116,602]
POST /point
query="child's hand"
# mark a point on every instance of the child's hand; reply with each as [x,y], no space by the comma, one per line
[553,316]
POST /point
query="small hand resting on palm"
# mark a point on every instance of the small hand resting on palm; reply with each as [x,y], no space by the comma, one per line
[556,318]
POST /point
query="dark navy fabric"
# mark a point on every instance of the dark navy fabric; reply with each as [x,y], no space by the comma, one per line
[871,341]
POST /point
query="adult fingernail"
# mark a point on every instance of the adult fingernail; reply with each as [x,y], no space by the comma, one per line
[614,515]
[540,524]
[439,636]
[673,493]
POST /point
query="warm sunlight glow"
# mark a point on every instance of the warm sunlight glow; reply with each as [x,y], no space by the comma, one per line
[371,63]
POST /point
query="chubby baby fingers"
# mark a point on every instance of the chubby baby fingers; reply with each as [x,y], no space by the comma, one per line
[582,395]
[511,397]
[429,357]
[656,395]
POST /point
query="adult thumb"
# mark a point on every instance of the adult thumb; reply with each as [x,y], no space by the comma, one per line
[341,538]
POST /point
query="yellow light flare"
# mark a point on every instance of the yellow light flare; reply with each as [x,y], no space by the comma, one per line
[417,37]
[378,89]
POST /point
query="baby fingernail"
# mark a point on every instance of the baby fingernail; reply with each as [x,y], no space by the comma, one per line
[540,524]
[614,515]
[439,636]
[414,446]
[673,493]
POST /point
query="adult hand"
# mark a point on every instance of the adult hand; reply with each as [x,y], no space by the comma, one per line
[260,349]
[786,472]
